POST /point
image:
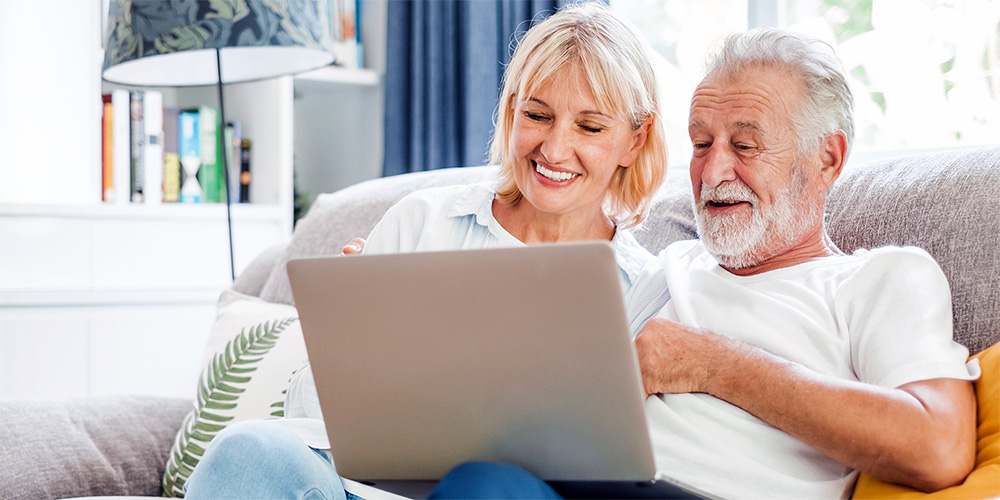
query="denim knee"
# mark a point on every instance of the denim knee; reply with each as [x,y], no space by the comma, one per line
[256,439]
[262,459]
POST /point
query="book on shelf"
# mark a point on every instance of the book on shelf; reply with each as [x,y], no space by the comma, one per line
[234,137]
[245,177]
[189,149]
[346,21]
[107,151]
[121,147]
[171,155]
[152,119]
[210,136]
[137,141]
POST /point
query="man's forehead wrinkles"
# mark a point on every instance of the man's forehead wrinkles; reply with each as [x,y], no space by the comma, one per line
[727,93]
[749,103]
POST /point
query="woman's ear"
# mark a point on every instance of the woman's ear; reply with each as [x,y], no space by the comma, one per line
[639,136]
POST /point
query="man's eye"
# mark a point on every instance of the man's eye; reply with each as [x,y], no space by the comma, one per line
[746,147]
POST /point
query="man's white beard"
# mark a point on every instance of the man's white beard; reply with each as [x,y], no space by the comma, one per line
[739,240]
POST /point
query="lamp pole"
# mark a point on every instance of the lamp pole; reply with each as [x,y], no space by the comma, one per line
[225,148]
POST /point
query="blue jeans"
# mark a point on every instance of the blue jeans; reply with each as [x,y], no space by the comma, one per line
[482,480]
[261,459]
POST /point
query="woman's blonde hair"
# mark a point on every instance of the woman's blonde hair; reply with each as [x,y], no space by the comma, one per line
[616,60]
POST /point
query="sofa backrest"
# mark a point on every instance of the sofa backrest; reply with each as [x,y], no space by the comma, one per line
[944,203]
[941,202]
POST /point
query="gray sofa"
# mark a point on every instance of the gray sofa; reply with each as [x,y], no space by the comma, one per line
[943,202]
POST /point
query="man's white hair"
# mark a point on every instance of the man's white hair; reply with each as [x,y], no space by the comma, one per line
[827,105]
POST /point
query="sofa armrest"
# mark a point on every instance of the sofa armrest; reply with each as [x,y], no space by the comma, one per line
[86,447]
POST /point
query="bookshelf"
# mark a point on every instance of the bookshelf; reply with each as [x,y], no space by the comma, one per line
[101,299]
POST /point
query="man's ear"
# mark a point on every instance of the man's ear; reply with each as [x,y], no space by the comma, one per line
[639,136]
[833,154]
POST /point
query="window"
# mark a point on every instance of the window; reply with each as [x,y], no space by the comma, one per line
[924,73]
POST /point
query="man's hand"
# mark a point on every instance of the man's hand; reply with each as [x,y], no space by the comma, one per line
[353,247]
[674,358]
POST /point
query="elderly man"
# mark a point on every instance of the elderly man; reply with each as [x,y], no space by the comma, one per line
[781,366]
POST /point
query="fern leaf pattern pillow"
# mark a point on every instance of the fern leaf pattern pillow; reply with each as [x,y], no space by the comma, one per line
[252,352]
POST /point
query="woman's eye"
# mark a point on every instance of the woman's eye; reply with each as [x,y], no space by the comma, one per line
[535,116]
[591,128]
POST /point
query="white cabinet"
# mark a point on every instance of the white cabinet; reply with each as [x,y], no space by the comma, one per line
[100,299]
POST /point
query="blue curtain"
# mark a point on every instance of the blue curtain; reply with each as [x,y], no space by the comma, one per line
[444,62]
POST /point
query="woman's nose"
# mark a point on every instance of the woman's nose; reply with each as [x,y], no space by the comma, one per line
[558,144]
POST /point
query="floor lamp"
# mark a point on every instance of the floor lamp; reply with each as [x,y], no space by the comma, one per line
[153,43]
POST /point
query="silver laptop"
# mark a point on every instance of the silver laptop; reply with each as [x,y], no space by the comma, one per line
[523,356]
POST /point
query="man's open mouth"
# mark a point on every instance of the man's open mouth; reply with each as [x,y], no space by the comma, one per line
[725,203]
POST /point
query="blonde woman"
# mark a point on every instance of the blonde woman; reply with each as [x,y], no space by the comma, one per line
[580,148]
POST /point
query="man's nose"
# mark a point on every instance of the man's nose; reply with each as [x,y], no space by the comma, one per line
[558,144]
[719,166]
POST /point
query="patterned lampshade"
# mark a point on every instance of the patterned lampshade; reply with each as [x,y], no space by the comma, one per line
[174,43]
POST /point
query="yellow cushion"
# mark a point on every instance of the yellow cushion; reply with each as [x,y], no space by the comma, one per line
[984,481]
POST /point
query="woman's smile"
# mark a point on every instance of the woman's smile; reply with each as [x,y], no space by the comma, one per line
[557,176]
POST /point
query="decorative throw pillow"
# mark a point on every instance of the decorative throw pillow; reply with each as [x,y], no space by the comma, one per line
[252,352]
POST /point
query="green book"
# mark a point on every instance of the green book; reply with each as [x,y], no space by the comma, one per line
[210,175]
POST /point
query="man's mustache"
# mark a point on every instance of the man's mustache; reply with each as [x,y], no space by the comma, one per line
[728,193]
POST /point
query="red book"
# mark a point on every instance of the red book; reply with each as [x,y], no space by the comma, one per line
[107,151]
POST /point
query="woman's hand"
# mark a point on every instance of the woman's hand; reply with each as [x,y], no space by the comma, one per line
[355,246]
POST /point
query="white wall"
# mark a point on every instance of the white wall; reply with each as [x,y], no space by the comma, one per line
[50,108]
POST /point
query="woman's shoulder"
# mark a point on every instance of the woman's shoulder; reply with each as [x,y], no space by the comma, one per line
[422,206]
[443,197]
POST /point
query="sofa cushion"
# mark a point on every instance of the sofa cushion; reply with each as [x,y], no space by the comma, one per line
[252,352]
[251,280]
[984,481]
[85,447]
[671,215]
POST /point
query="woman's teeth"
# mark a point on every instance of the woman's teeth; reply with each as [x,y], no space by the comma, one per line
[551,174]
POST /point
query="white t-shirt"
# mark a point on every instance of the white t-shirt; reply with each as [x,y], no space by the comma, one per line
[882,317]
[461,217]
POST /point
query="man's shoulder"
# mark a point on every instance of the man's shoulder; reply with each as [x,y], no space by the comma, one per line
[871,269]
[891,257]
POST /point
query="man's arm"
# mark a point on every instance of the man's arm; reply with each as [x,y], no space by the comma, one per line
[921,434]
